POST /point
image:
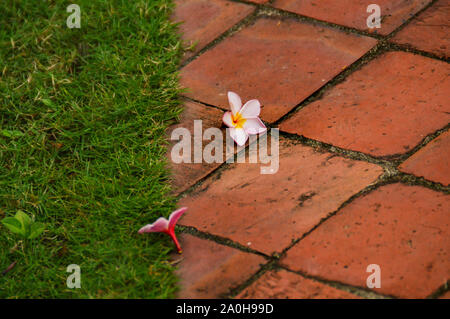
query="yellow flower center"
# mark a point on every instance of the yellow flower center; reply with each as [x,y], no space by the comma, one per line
[238,120]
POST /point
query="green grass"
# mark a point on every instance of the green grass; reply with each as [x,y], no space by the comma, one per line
[87,109]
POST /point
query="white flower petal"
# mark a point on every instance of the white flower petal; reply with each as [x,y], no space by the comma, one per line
[254,126]
[235,102]
[238,135]
[251,109]
[227,119]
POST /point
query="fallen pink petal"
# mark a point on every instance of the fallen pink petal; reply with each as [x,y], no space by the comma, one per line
[162,225]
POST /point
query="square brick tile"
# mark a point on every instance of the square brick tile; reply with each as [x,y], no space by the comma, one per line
[185,175]
[353,13]
[210,270]
[403,229]
[287,285]
[266,212]
[384,109]
[205,20]
[431,162]
[280,63]
[429,31]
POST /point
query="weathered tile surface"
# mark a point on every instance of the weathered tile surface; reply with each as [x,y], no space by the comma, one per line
[431,162]
[287,285]
[278,62]
[386,108]
[185,175]
[403,229]
[205,20]
[433,21]
[210,270]
[353,13]
[266,212]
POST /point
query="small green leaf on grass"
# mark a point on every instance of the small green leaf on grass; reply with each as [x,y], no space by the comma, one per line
[23,225]
[47,102]
[11,133]
[23,218]
[36,230]
[13,225]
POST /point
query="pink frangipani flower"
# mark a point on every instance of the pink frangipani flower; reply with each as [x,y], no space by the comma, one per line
[243,120]
[162,225]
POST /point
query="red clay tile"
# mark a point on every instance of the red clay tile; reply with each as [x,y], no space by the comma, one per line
[403,229]
[386,108]
[210,270]
[433,21]
[431,162]
[266,212]
[353,13]
[185,175]
[205,20]
[278,62]
[287,285]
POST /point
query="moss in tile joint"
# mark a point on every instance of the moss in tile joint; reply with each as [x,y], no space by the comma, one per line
[411,18]
[246,21]
[445,287]
[358,291]
[220,240]
[271,265]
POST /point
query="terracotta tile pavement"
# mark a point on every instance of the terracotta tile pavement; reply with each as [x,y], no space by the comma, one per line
[403,229]
[205,20]
[432,21]
[311,217]
[210,270]
[432,161]
[380,109]
[287,285]
[353,13]
[267,212]
[185,175]
[298,57]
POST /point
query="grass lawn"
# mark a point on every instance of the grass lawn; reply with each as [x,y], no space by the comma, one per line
[83,114]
